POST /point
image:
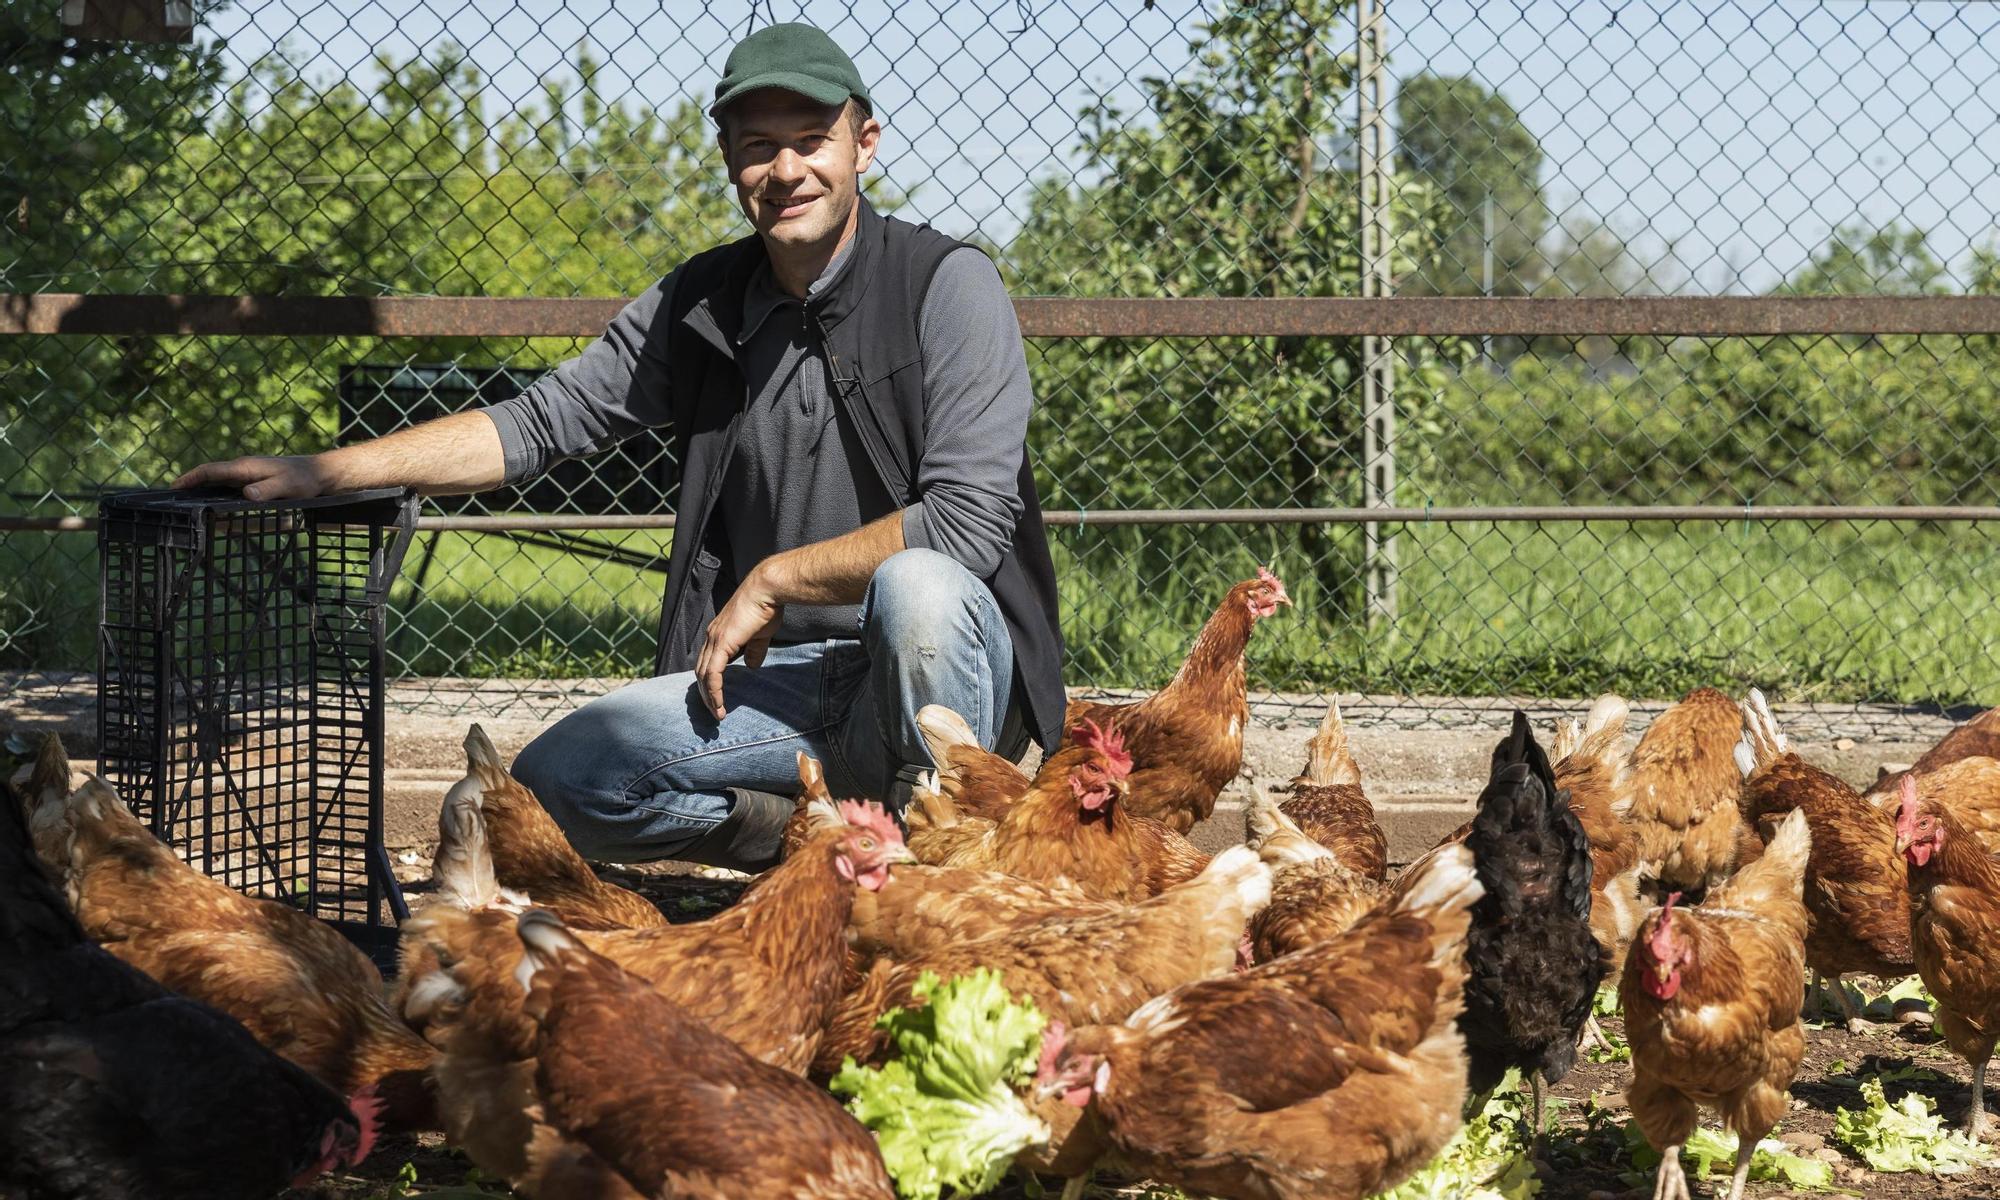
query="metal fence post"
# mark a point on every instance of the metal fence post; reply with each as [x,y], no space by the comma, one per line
[1378,363]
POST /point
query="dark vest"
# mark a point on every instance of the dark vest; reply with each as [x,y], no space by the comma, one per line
[868,322]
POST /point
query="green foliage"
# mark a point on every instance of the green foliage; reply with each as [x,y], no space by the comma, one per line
[1467,141]
[1905,1136]
[1708,1150]
[1894,260]
[1886,420]
[944,1110]
[1483,1161]
[1229,184]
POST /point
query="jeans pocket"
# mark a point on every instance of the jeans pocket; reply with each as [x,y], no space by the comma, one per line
[843,667]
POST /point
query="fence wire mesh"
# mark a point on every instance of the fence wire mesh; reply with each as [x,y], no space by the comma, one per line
[1139,148]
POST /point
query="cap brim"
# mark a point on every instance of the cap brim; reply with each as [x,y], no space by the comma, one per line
[819,91]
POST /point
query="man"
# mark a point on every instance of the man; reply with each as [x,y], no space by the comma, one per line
[858,532]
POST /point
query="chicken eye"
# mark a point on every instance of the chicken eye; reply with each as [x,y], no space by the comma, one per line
[866,843]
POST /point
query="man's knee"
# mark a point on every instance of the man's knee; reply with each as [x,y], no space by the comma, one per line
[551,767]
[921,599]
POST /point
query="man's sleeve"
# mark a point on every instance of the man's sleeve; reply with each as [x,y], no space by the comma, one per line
[614,389]
[976,419]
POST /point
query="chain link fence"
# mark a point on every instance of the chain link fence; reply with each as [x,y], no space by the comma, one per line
[1474,507]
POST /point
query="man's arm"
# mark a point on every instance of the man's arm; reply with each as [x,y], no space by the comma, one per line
[458,453]
[614,389]
[835,571]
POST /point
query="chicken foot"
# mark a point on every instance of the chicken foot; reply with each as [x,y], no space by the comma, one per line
[1842,1001]
[1670,1182]
[1593,1035]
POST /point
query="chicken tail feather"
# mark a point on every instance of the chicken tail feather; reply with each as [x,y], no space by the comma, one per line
[482,758]
[943,731]
[1442,887]
[1763,742]
[33,917]
[1239,871]
[1275,837]
[1328,758]
[43,785]
[463,865]
[1778,875]
[545,942]
[1564,741]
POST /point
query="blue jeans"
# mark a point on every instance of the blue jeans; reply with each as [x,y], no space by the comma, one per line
[647,772]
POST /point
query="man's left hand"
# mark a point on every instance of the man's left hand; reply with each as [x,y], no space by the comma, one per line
[745,626]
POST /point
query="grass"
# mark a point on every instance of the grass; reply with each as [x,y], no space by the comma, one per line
[1838,612]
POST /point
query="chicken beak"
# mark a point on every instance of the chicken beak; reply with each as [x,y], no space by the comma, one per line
[1665,971]
[897,854]
[1902,843]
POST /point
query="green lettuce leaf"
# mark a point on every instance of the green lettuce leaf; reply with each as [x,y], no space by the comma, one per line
[1905,1136]
[1484,1161]
[944,1110]
[1714,1150]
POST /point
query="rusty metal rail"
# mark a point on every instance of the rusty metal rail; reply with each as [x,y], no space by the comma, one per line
[1498,514]
[1047,317]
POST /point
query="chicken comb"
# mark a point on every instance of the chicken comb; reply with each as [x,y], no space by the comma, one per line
[1662,943]
[1906,806]
[366,1105]
[868,815]
[1106,740]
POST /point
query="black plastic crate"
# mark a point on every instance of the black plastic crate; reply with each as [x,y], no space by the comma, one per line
[240,689]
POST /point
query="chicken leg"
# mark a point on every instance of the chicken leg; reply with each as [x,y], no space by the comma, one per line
[1073,1188]
[1975,1117]
[1670,1182]
[1845,1002]
[1746,1150]
[1535,1124]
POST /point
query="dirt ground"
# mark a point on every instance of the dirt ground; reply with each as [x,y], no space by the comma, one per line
[1585,1159]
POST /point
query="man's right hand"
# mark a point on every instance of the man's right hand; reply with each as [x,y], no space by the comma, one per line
[296,477]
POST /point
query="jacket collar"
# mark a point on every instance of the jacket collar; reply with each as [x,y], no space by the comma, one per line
[718,317]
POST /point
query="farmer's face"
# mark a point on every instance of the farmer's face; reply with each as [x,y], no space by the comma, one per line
[796,165]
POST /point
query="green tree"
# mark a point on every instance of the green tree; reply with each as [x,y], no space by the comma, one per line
[1468,142]
[1894,260]
[1232,182]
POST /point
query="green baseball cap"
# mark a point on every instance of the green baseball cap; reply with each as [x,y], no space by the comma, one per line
[795,57]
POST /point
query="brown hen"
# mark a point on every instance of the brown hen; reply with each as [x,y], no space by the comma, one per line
[1314,896]
[1331,1073]
[1977,738]
[978,782]
[1328,805]
[1954,931]
[298,986]
[1071,828]
[1969,787]
[1186,739]
[1683,789]
[531,855]
[1711,997]
[765,974]
[639,1085]
[1856,888]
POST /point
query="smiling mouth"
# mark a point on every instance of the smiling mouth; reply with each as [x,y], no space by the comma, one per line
[788,205]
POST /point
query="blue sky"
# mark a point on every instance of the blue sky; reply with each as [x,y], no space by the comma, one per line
[1728,138]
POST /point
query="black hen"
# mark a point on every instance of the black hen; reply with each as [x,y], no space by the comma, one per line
[1532,966]
[113,1088]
